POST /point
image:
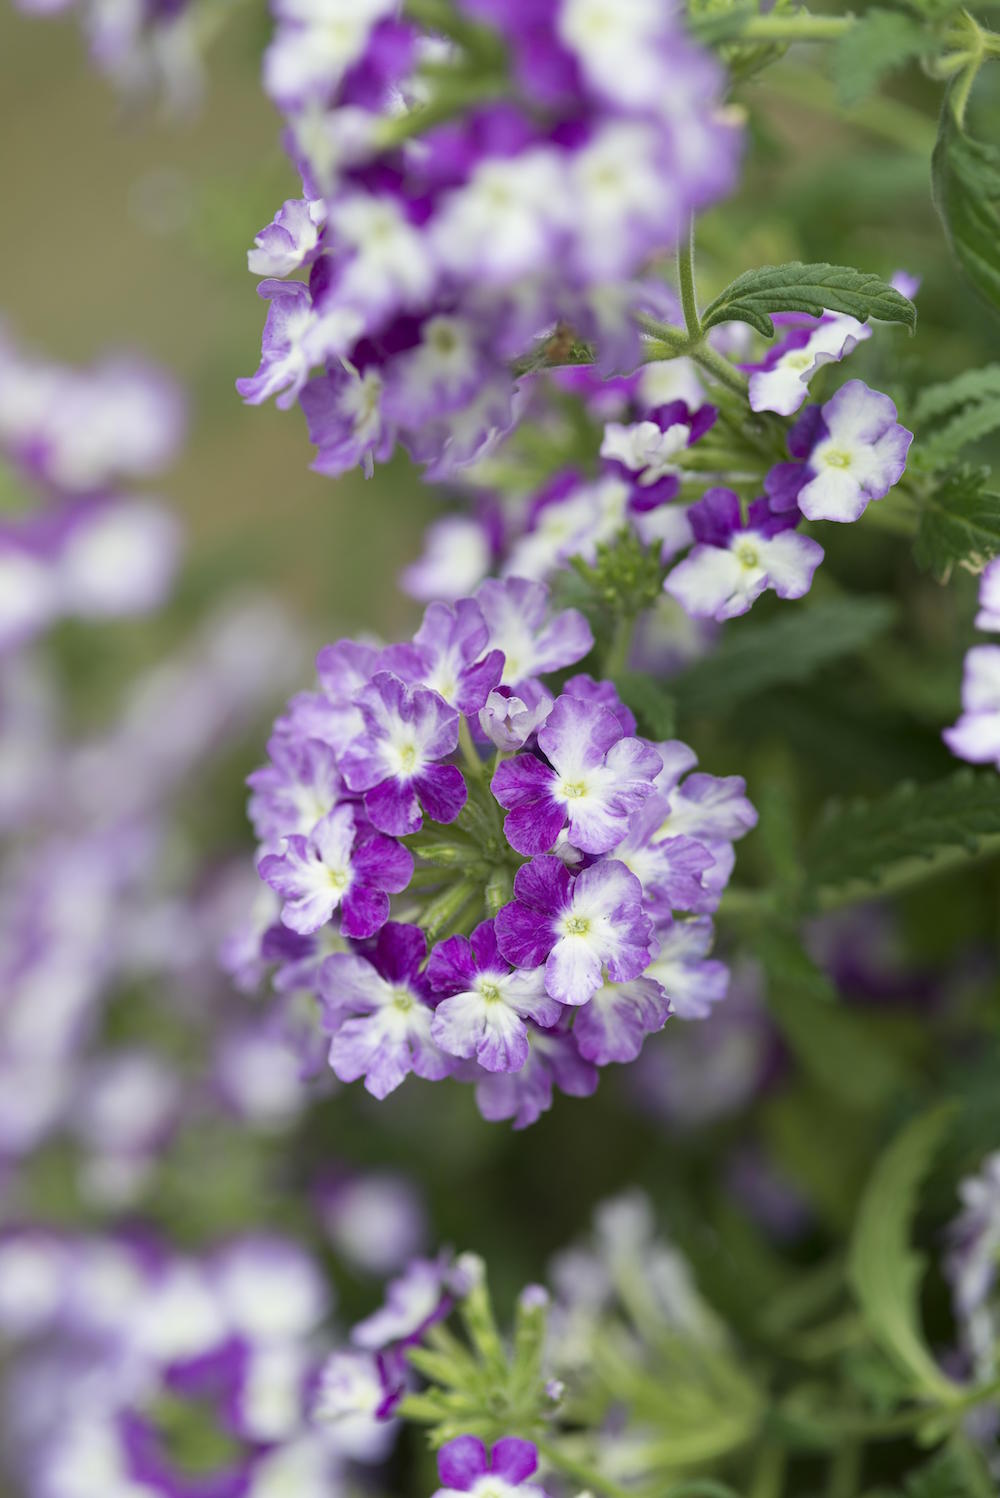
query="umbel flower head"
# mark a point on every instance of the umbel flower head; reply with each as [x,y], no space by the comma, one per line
[478,874]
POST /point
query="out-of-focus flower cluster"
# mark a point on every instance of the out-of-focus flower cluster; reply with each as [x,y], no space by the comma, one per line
[142,46]
[482,190]
[550,874]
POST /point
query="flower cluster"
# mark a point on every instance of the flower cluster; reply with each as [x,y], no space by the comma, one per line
[976,735]
[845,453]
[73,437]
[472,192]
[548,912]
[147,1372]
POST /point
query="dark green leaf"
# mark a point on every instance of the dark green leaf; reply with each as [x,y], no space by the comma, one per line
[792,646]
[966,184]
[883,1270]
[878,42]
[934,825]
[796,287]
[959,523]
[653,707]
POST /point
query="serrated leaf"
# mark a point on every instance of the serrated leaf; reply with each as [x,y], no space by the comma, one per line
[965,175]
[950,395]
[831,1044]
[797,287]
[653,707]
[971,405]
[959,523]
[936,825]
[791,646]
[878,42]
[883,1270]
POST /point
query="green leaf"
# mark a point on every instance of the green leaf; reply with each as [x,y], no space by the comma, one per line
[959,523]
[831,1044]
[791,646]
[911,832]
[795,287]
[653,707]
[883,1270]
[965,175]
[971,404]
[878,42]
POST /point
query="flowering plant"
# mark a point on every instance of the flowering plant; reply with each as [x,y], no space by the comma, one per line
[662,423]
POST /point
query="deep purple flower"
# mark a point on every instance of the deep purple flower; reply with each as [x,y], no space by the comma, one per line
[334,866]
[597,779]
[734,561]
[854,451]
[579,927]
[394,761]
[485,1006]
[465,1467]
[378,1014]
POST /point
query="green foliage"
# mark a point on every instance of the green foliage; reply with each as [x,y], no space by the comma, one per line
[795,287]
[880,41]
[883,1270]
[955,413]
[653,707]
[881,841]
[830,1044]
[966,183]
[959,522]
[791,646]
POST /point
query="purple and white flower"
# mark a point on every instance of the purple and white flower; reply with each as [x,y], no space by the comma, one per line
[596,778]
[464,1466]
[781,381]
[516,611]
[976,735]
[379,1015]
[852,450]
[988,616]
[395,761]
[736,560]
[693,982]
[580,927]
[337,866]
[486,1004]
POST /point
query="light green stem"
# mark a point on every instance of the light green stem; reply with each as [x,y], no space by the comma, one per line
[685,275]
[579,1471]
[470,754]
[800,28]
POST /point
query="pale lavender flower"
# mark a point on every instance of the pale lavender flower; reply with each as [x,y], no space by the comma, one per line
[692,981]
[988,616]
[533,642]
[976,735]
[290,241]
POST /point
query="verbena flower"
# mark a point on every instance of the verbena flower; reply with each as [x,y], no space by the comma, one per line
[735,560]
[851,451]
[780,382]
[465,1466]
[337,865]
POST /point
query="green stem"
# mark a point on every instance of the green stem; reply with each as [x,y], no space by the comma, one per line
[714,364]
[470,754]
[800,28]
[579,1471]
[685,275]
[769,1472]
[616,656]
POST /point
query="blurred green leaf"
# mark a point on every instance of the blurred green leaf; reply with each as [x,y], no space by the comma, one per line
[959,522]
[877,43]
[966,187]
[883,1269]
[971,404]
[653,707]
[914,829]
[795,287]
[791,646]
